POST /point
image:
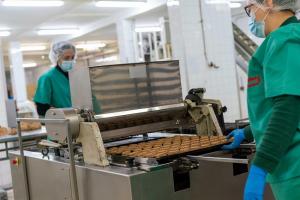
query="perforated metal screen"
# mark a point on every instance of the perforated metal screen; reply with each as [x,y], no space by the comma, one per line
[133,86]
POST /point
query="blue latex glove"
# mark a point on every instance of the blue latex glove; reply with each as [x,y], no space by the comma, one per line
[239,137]
[255,185]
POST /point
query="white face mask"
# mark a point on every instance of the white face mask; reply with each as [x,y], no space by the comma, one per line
[257,28]
[67,65]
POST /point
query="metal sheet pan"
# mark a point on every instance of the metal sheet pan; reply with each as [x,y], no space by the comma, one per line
[167,158]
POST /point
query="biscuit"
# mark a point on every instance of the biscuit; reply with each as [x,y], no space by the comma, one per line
[168,146]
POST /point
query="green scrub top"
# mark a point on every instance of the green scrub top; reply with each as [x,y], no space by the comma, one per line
[53,89]
[274,70]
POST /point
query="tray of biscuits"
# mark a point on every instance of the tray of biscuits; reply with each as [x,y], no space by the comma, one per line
[25,126]
[169,147]
[30,126]
[7,131]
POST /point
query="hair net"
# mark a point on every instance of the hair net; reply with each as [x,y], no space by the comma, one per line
[57,50]
[279,4]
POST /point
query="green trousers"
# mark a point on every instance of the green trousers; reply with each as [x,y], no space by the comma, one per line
[287,190]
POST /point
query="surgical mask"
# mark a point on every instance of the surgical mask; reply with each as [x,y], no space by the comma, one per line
[67,65]
[257,28]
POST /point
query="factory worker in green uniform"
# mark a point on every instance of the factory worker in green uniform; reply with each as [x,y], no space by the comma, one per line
[273,101]
[53,88]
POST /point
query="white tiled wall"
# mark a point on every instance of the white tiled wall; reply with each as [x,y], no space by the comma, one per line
[220,48]
[3,91]
[221,83]
[125,32]
[18,73]
[178,51]
[242,83]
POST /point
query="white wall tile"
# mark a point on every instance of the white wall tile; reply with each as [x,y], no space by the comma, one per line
[220,83]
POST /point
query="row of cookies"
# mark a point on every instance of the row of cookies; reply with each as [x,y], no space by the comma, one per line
[25,126]
[167,146]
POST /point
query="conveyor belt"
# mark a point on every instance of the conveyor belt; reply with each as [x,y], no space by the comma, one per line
[244,46]
[170,147]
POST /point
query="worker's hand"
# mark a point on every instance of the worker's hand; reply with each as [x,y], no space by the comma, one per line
[238,137]
[255,185]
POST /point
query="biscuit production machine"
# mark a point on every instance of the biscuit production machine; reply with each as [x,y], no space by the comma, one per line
[135,154]
[86,161]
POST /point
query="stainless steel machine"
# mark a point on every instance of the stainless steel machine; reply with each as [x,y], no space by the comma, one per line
[80,161]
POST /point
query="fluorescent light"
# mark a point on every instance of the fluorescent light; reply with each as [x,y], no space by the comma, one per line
[33,48]
[29,65]
[147,29]
[216,1]
[4,33]
[57,31]
[20,3]
[119,4]
[235,5]
[231,3]
[221,1]
[172,3]
[107,59]
[91,46]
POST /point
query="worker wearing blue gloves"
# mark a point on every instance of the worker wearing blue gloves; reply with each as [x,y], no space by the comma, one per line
[273,101]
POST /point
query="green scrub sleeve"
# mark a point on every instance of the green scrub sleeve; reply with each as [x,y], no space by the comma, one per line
[280,131]
[96,105]
[43,91]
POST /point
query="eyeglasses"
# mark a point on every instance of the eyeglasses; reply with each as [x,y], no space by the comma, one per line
[248,9]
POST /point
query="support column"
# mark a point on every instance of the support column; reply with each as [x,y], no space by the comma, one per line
[178,51]
[18,73]
[3,91]
[5,174]
[202,39]
[125,32]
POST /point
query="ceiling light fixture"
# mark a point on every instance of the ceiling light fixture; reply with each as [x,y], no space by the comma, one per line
[216,1]
[172,3]
[57,31]
[4,33]
[20,3]
[231,3]
[91,46]
[33,48]
[235,5]
[119,4]
[148,29]
[107,59]
[29,65]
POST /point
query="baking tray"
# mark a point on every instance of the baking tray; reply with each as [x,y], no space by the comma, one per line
[164,159]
